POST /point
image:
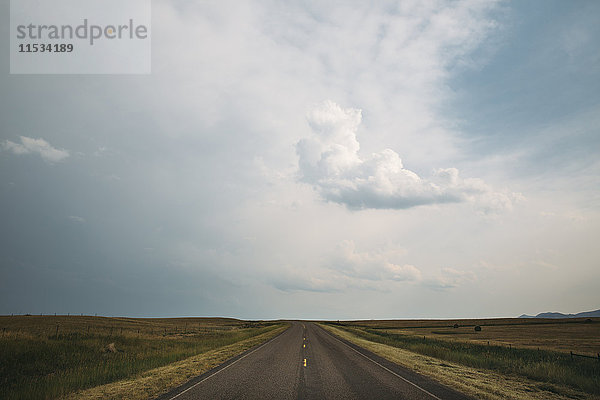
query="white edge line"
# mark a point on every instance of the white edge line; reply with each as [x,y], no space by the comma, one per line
[224,368]
[382,366]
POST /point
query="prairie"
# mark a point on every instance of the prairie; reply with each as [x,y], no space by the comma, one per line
[539,350]
[45,357]
[564,335]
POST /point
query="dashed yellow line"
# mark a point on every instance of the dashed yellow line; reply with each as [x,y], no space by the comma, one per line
[305,362]
[303,345]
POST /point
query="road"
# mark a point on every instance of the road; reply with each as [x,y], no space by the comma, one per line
[307,362]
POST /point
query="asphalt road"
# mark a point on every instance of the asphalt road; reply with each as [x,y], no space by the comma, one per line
[307,362]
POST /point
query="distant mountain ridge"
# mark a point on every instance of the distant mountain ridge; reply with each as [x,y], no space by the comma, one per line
[585,314]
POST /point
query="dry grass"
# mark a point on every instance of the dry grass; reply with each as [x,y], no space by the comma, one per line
[47,357]
[37,325]
[152,384]
[564,336]
[479,383]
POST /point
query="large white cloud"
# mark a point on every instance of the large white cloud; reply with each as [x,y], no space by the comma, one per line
[36,146]
[330,161]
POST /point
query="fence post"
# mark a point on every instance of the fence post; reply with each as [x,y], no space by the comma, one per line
[571,355]
[56,331]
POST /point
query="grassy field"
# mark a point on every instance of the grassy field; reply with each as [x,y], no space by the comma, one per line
[534,349]
[45,357]
[564,335]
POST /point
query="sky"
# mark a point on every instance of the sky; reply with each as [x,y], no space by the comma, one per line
[315,160]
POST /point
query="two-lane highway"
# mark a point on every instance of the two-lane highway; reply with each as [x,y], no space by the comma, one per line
[307,362]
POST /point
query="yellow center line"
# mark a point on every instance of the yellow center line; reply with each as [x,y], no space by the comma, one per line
[305,362]
[303,345]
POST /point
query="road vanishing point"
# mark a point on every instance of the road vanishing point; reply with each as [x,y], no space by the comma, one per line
[308,362]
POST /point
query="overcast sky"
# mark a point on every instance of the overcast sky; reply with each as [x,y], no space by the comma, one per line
[313,159]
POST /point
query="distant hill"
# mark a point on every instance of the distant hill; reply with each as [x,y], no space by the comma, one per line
[585,314]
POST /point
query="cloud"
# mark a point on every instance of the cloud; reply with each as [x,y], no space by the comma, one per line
[292,279]
[376,269]
[449,278]
[374,266]
[76,219]
[329,160]
[348,268]
[36,146]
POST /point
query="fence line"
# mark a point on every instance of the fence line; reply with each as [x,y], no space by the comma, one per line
[597,357]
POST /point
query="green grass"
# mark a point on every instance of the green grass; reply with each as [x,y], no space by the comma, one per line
[37,365]
[541,365]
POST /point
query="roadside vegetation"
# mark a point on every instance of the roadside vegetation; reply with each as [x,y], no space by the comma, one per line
[531,352]
[46,357]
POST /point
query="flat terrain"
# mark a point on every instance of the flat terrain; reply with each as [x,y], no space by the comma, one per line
[307,362]
[559,354]
[564,335]
[44,326]
[84,357]
[45,357]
